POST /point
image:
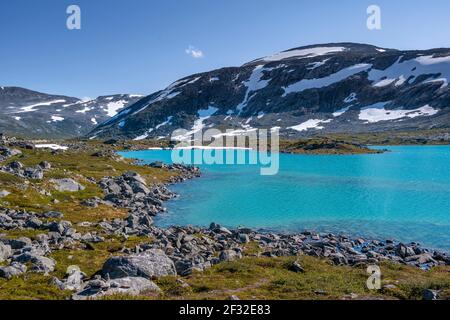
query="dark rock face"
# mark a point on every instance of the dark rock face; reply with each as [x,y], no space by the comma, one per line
[34,114]
[343,87]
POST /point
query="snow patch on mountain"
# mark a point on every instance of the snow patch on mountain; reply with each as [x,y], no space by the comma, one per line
[57,118]
[377,112]
[145,135]
[198,124]
[113,107]
[343,74]
[352,97]
[302,53]
[384,83]
[32,107]
[84,110]
[310,124]
[409,70]
[444,82]
[340,112]
[315,65]
[51,146]
[253,84]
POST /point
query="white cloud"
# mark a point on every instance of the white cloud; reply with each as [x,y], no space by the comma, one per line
[194,52]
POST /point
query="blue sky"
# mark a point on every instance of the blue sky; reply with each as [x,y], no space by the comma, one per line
[139,46]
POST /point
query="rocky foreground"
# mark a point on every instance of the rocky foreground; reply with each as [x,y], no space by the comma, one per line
[160,252]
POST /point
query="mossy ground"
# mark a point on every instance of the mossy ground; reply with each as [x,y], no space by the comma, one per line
[250,278]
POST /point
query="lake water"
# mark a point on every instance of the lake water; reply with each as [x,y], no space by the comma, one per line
[403,194]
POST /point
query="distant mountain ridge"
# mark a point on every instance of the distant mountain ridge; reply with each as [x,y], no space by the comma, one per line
[35,114]
[337,87]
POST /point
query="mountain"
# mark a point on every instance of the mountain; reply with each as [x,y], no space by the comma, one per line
[339,87]
[34,114]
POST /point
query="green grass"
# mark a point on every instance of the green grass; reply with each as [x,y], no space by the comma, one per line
[31,287]
[270,278]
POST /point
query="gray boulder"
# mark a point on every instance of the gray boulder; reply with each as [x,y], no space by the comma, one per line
[67,184]
[40,264]
[429,294]
[18,243]
[134,177]
[53,214]
[244,238]
[4,193]
[5,252]
[6,153]
[14,270]
[45,165]
[296,267]
[149,264]
[132,286]
[34,173]
[404,251]
[229,255]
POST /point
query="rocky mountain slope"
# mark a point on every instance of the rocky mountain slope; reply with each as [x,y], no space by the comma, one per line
[341,87]
[34,114]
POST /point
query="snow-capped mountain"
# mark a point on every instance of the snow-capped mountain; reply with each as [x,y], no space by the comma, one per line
[342,87]
[34,114]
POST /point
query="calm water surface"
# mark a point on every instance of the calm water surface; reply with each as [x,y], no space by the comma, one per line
[403,194]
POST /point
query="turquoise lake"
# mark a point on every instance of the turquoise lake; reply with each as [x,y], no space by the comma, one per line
[403,194]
